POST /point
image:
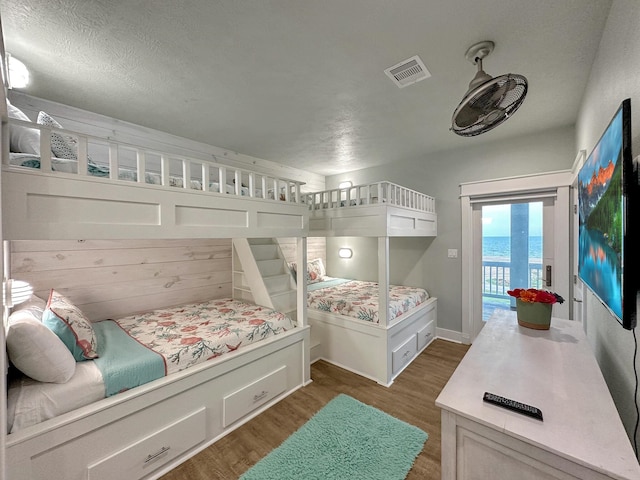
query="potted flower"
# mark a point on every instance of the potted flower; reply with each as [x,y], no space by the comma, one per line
[534,306]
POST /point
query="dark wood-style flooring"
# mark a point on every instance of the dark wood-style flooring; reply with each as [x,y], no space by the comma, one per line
[410,398]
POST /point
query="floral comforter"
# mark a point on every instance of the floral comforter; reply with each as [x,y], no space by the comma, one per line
[190,334]
[359,299]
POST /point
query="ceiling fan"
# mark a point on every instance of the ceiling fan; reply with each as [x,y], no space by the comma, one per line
[489,101]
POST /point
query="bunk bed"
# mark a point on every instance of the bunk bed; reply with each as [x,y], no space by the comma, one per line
[112,201]
[385,327]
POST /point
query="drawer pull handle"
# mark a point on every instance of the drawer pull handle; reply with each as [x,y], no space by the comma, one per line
[157,454]
[427,335]
[406,354]
[260,396]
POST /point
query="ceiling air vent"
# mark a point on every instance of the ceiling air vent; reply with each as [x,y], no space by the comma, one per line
[408,72]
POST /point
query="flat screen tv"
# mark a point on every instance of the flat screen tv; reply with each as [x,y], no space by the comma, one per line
[608,201]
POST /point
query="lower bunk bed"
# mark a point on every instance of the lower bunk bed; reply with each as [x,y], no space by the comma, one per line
[206,369]
[350,331]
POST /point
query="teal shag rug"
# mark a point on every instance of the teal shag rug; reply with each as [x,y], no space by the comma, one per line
[346,439]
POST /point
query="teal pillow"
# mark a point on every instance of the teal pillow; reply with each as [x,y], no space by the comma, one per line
[72,327]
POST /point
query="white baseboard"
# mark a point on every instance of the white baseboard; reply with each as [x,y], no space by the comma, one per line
[451,335]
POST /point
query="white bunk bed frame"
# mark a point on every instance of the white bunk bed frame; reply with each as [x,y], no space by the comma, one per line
[147,431]
[380,209]
[46,203]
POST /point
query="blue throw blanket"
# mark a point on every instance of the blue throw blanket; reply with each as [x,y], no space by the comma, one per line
[124,362]
[327,283]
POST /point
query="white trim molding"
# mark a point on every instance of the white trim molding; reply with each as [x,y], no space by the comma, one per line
[523,183]
[552,184]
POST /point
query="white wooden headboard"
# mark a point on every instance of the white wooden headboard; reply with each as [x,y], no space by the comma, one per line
[115,278]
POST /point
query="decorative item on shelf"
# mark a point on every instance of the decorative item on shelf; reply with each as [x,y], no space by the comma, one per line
[534,307]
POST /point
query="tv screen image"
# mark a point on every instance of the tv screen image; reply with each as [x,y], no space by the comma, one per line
[607,194]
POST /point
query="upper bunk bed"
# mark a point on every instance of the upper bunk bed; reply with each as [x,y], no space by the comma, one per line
[379,209]
[68,184]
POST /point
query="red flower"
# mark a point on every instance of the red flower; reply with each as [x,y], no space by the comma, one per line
[190,340]
[189,329]
[533,295]
[166,324]
[256,321]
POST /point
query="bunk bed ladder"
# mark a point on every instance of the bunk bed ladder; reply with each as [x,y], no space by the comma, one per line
[261,274]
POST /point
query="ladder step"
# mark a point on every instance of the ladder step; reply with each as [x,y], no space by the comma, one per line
[261,241]
[269,268]
[278,283]
[285,301]
[265,252]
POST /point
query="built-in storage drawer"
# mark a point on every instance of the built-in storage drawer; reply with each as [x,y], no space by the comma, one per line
[402,355]
[239,403]
[151,452]
[426,334]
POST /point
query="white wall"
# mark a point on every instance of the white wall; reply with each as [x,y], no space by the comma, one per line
[423,262]
[615,75]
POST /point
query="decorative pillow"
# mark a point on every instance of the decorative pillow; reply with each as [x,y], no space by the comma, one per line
[22,139]
[315,271]
[61,147]
[69,323]
[292,267]
[36,351]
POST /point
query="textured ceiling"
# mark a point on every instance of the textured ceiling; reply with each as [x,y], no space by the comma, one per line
[301,82]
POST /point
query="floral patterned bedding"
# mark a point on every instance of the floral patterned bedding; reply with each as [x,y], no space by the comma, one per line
[359,299]
[191,334]
[179,337]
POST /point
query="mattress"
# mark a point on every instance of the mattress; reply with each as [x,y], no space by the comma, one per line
[178,337]
[359,299]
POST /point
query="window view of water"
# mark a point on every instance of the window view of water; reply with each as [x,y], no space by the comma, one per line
[500,266]
[496,260]
[500,247]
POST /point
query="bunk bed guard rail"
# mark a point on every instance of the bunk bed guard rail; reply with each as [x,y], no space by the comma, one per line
[370,194]
[120,161]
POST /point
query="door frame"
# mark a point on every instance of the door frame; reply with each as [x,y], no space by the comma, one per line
[556,184]
[578,311]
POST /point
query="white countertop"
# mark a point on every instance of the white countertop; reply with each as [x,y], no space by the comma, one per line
[554,370]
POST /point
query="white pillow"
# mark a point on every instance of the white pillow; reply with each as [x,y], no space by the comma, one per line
[61,147]
[36,351]
[35,305]
[22,139]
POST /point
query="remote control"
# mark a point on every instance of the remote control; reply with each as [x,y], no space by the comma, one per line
[522,408]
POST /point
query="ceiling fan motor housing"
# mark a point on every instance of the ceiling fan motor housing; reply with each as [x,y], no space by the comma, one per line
[489,101]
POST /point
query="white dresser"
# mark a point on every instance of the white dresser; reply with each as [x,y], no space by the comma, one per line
[581,437]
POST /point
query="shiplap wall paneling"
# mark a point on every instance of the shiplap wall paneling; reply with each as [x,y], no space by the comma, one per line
[114,278]
[316,248]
